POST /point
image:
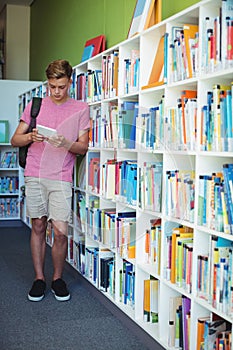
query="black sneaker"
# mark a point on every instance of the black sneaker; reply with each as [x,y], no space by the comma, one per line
[60,290]
[37,291]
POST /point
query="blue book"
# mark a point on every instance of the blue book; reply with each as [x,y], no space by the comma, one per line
[87,52]
[228,190]
[129,123]
[128,270]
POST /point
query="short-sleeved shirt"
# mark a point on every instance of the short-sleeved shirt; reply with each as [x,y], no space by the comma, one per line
[69,118]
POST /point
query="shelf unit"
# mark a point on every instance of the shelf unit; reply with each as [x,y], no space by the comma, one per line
[11,180]
[191,159]
[9,193]
[94,252]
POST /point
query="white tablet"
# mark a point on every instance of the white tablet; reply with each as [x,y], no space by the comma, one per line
[45,131]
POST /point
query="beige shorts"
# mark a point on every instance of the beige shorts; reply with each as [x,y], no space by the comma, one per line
[48,198]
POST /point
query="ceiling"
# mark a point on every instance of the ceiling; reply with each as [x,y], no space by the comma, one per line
[15,2]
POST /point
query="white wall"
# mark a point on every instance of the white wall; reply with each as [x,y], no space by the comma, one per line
[17,42]
[9,92]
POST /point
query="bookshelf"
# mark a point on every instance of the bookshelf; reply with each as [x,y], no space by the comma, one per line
[10,176]
[150,205]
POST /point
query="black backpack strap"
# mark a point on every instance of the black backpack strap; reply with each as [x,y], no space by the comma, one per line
[35,109]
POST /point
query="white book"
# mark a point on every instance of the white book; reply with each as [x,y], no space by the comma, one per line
[46,131]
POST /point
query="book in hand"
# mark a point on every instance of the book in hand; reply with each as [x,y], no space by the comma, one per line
[46,131]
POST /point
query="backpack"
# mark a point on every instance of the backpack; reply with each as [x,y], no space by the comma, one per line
[35,108]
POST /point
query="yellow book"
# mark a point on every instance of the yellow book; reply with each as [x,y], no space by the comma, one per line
[146,301]
[177,233]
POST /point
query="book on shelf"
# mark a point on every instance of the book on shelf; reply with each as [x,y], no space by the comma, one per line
[150,300]
[226,33]
[127,283]
[190,32]
[9,184]
[141,11]
[131,72]
[106,258]
[126,234]
[8,159]
[4,131]
[156,77]
[186,310]
[110,64]
[178,233]
[200,331]
[95,45]
[173,336]
[87,52]
[128,113]
[108,179]
[154,14]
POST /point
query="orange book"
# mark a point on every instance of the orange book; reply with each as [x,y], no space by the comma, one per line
[200,331]
[190,31]
[157,67]
[154,14]
[184,95]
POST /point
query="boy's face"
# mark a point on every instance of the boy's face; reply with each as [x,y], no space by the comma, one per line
[59,89]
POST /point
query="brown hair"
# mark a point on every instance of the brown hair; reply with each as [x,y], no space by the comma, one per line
[59,69]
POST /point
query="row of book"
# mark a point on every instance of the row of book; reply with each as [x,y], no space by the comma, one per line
[98,265]
[179,257]
[180,124]
[176,58]
[179,322]
[215,206]
[113,126]
[216,120]
[151,300]
[9,184]
[150,186]
[214,282]
[97,84]
[217,39]
[124,126]
[119,180]
[115,230]
[213,332]
[9,207]
[150,127]
[152,245]
[89,86]
[114,179]
[180,194]
[8,159]
[110,69]
[131,72]
[184,52]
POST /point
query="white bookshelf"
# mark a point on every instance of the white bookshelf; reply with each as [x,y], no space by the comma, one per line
[9,91]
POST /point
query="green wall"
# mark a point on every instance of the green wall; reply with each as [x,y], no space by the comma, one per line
[59,29]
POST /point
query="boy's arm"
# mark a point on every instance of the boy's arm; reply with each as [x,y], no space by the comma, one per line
[22,138]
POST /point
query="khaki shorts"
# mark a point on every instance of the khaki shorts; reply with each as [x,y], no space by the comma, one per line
[48,198]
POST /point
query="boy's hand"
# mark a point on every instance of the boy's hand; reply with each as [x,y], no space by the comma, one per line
[36,137]
[59,141]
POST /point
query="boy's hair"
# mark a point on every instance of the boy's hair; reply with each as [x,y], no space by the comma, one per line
[59,69]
